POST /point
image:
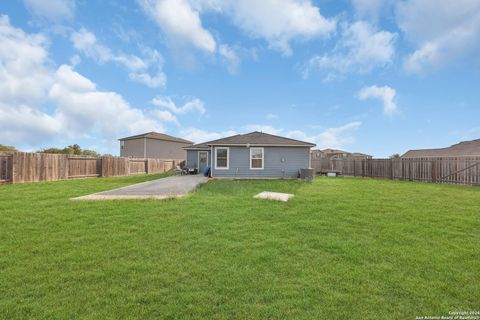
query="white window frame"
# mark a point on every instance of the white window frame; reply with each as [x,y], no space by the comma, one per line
[198,158]
[263,158]
[228,158]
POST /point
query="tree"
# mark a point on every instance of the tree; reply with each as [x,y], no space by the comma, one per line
[52,150]
[5,148]
[73,149]
[395,156]
[92,153]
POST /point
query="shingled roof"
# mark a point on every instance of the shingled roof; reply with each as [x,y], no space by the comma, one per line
[157,136]
[253,139]
[462,149]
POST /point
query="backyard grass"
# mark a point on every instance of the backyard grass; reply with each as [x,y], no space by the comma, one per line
[342,248]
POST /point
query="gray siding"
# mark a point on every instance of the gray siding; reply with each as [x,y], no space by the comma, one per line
[158,149]
[192,159]
[295,158]
[132,148]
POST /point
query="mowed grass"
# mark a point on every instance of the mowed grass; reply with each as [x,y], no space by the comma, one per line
[342,248]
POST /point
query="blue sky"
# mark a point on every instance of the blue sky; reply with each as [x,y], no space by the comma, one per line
[372,76]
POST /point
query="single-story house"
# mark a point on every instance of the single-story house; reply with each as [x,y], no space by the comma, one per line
[154,145]
[251,155]
[463,149]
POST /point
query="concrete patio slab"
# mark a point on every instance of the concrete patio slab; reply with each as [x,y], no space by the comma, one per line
[278,196]
[165,188]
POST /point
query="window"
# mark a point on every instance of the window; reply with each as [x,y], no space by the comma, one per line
[122,144]
[221,158]
[256,158]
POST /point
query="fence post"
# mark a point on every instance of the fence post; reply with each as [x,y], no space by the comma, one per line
[10,168]
[66,167]
[434,171]
[14,167]
[104,172]
[391,169]
[403,169]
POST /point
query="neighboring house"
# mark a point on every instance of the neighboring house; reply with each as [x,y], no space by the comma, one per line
[359,155]
[154,145]
[462,149]
[251,155]
[337,154]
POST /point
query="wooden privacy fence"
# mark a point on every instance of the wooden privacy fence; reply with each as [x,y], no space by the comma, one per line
[5,168]
[461,170]
[29,167]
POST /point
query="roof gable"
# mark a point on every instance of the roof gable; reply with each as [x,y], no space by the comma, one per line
[462,149]
[157,136]
[256,139]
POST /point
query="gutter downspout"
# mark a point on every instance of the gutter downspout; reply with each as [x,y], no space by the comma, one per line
[211,161]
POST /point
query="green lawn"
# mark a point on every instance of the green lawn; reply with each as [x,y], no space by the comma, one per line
[342,248]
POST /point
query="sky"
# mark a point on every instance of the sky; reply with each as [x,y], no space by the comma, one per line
[372,76]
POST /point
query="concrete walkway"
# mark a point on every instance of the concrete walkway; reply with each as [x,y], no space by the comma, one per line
[170,187]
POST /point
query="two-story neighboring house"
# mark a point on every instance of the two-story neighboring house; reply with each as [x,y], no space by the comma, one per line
[154,145]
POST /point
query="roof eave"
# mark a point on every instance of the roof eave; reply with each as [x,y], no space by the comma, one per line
[263,145]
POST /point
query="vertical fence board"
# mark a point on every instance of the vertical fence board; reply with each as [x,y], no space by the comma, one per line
[455,170]
[22,167]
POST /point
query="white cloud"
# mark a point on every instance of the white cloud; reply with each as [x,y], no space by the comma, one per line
[279,22]
[54,10]
[75,60]
[194,105]
[39,103]
[87,43]
[230,57]
[385,94]
[336,137]
[82,108]
[444,31]
[360,50]
[165,116]
[180,22]
[157,81]
[199,135]
[24,78]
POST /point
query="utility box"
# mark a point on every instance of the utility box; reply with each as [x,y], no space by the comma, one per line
[307,174]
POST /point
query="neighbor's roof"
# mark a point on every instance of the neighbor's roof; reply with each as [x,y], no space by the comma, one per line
[254,139]
[330,151]
[360,154]
[462,149]
[157,136]
[334,151]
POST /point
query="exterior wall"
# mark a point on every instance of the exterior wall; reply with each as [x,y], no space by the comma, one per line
[156,149]
[192,158]
[132,148]
[295,158]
